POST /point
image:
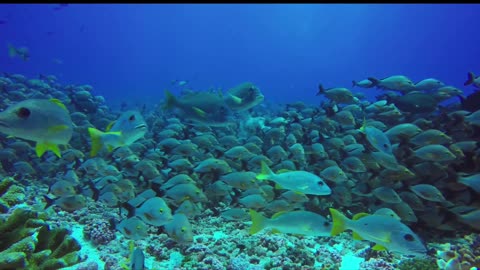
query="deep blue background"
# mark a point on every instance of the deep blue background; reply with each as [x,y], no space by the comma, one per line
[133,52]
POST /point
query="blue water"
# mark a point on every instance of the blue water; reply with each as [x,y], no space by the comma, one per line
[133,52]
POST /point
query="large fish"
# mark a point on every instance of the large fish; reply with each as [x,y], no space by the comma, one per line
[127,129]
[415,102]
[201,108]
[387,232]
[243,97]
[44,121]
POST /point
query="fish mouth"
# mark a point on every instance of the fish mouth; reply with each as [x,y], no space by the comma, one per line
[141,126]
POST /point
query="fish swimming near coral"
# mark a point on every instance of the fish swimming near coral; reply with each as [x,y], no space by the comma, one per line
[243,97]
[127,129]
[387,232]
[300,181]
[201,108]
[44,121]
[294,222]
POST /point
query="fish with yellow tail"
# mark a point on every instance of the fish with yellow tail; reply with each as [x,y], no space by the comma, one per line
[387,232]
[44,121]
[127,129]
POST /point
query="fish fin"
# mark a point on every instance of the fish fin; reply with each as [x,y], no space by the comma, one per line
[359,216]
[258,222]
[321,90]
[10,137]
[375,81]
[470,79]
[265,172]
[57,128]
[110,126]
[49,201]
[276,215]
[199,112]
[59,103]
[339,221]
[110,148]
[378,247]
[364,125]
[170,100]
[356,236]
[42,147]
[282,171]
[12,51]
[275,231]
[96,137]
[236,99]
[278,186]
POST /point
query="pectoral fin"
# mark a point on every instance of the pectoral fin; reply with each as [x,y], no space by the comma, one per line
[236,99]
[58,128]
[200,112]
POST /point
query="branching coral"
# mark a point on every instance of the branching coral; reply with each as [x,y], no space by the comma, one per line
[27,242]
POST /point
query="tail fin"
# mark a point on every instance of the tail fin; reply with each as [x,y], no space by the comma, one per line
[354,83]
[265,172]
[95,190]
[49,201]
[321,90]
[12,51]
[375,81]
[96,136]
[170,100]
[258,222]
[470,79]
[339,221]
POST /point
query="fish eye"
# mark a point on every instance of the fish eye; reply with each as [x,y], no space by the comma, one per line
[23,113]
[385,145]
[408,237]
[161,210]
[320,183]
[326,224]
[183,229]
[131,118]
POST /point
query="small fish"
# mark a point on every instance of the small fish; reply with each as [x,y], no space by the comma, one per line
[235,214]
[68,203]
[363,83]
[300,181]
[44,121]
[137,260]
[154,211]
[133,228]
[472,80]
[434,152]
[428,84]
[397,83]
[428,192]
[22,52]
[386,232]
[295,222]
[127,129]
[376,138]
[180,229]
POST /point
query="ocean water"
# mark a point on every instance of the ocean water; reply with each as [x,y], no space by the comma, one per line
[130,51]
[130,54]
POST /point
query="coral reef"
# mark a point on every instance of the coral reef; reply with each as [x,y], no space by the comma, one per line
[99,232]
[10,194]
[27,242]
